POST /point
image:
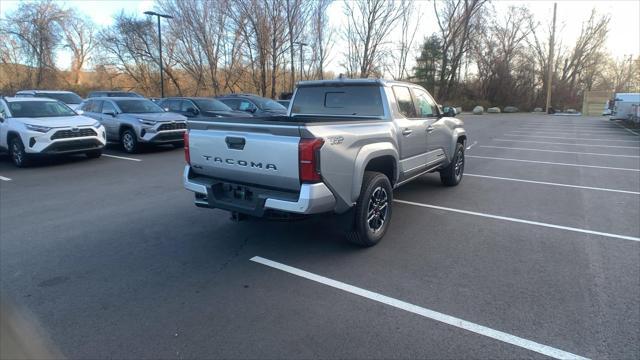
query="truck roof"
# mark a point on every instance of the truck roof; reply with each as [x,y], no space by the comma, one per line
[338,82]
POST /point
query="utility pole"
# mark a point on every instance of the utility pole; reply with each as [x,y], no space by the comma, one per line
[301,44]
[550,70]
[160,46]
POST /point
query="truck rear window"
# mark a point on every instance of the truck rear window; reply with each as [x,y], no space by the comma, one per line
[360,100]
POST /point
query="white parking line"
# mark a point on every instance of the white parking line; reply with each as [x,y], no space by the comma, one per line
[559,151]
[572,144]
[626,128]
[121,157]
[553,184]
[472,145]
[553,163]
[571,132]
[4,178]
[424,312]
[569,138]
[522,221]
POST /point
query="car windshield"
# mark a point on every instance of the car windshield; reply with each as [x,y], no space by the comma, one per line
[138,106]
[67,98]
[211,105]
[271,105]
[38,109]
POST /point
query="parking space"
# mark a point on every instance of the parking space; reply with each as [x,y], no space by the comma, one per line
[536,254]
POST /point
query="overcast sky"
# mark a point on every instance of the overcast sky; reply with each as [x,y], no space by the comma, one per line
[623,40]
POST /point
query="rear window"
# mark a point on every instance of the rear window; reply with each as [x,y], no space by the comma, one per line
[361,100]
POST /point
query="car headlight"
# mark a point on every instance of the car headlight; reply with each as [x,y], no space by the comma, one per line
[38,128]
[147,122]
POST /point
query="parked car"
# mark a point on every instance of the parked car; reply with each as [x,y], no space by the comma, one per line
[199,107]
[253,104]
[284,103]
[109,93]
[40,126]
[68,97]
[133,121]
[342,149]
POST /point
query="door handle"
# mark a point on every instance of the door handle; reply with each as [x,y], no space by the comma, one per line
[407,132]
[430,129]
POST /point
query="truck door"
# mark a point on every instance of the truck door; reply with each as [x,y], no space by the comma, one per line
[438,138]
[412,136]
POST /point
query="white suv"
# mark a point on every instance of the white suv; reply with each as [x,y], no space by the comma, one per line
[39,126]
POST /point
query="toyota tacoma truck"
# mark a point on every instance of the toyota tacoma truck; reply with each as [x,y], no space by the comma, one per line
[342,148]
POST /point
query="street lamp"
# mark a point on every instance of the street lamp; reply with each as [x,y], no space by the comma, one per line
[301,44]
[153,13]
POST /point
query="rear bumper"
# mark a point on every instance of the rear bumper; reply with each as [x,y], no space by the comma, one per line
[214,193]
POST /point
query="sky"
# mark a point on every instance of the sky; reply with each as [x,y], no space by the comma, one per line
[623,39]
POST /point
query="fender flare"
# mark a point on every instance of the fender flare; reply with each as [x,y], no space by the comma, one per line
[366,154]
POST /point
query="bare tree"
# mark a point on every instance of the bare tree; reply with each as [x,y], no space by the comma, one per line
[409,27]
[36,28]
[369,23]
[457,21]
[79,35]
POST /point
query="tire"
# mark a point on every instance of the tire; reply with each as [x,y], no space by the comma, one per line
[372,213]
[129,141]
[452,174]
[16,151]
[94,154]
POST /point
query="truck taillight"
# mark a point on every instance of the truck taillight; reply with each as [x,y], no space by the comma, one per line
[187,155]
[309,159]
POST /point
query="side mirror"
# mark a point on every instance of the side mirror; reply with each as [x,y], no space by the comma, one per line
[449,111]
[192,111]
[1,119]
[79,112]
[113,114]
[252,109]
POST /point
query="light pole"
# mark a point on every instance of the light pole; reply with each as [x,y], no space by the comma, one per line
[153,13]
[301,44]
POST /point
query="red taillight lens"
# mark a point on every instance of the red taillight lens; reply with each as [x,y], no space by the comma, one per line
[309,158]
[187,155]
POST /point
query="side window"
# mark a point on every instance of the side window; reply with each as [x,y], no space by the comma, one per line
[89,106]
[172,105]
[404,101]
[426,105]
[245,105]
[107,107]
[232,103]
[186,104]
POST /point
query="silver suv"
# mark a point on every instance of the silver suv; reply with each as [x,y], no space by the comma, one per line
[132,121]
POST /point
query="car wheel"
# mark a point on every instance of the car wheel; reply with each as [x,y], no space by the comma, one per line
[373,210]
[129,141]
[452,174]
[17,153]
[94,154]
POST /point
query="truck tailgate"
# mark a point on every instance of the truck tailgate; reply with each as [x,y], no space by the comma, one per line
[246,151]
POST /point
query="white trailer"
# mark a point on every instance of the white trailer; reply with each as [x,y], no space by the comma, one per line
[625,106]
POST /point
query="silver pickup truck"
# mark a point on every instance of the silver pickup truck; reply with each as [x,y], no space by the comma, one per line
[342,149]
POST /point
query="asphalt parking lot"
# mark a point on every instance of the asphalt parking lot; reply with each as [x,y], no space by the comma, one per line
[535,254]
